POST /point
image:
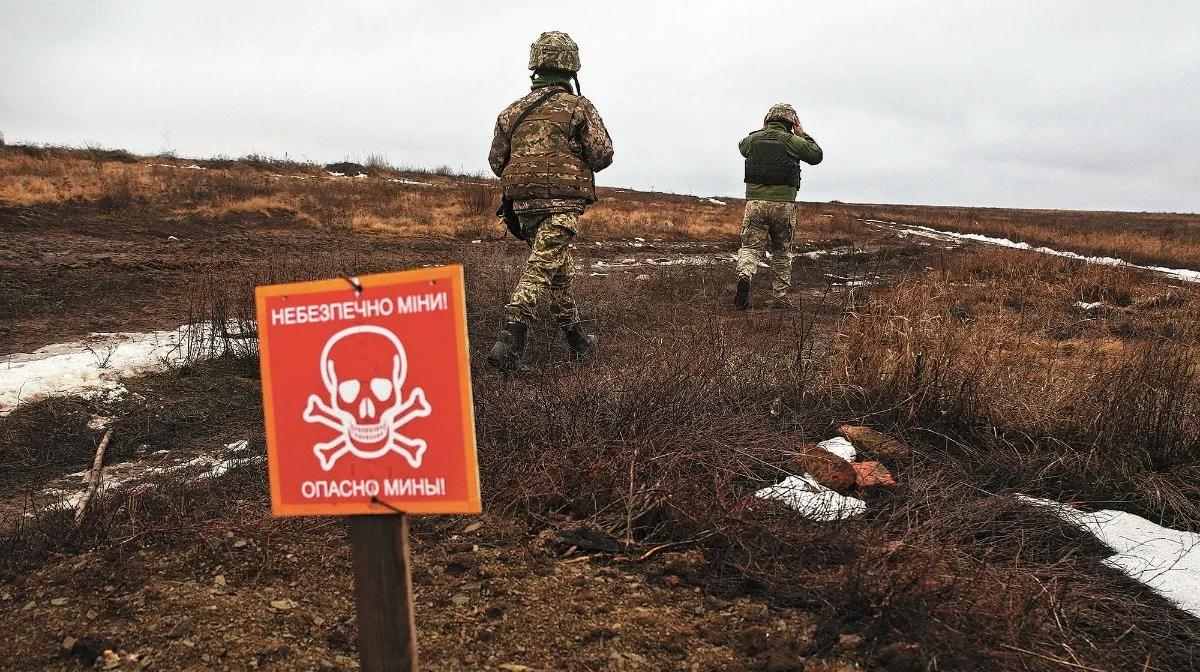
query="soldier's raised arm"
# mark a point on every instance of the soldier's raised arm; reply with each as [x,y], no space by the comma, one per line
[808,149]
[597,144]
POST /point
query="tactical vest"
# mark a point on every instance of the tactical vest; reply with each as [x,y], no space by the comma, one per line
[541,163]
[770,163]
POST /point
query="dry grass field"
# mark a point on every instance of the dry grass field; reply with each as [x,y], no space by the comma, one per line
[621,529]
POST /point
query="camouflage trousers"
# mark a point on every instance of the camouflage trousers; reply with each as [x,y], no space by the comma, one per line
[768,223]
[549,269]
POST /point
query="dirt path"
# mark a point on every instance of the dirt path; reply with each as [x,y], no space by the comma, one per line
[73,269]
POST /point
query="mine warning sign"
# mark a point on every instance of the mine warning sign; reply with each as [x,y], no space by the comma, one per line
[367,395]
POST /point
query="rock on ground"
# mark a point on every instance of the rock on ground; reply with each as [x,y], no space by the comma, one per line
[875,444]
[828,469]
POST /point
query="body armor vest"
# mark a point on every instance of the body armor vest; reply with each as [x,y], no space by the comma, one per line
[541,163]
[770,163]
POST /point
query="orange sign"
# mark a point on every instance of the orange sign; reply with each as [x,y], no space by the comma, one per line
[367,395]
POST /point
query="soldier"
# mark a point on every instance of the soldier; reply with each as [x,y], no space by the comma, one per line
[773,155]
[546,146]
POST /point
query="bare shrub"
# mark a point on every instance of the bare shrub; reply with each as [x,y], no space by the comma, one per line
[480,198]
[118,189]
[378,163]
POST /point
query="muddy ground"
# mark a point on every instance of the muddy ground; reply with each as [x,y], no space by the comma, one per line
[190,572]
[71,269]
[207,593]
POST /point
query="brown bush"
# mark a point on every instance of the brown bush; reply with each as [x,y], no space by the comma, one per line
[480,198]
[684,411]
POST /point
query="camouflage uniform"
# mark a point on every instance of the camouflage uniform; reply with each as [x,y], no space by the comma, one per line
[546,165]
[549,267]
[773,155]
[552,221]
[774,223]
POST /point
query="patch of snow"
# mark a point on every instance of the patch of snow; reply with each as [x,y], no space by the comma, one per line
[399,180]
[65,499]
[93,366]
[1184,274]
[841,447]
[680,260]
[715,201]
[1087,306]
[1165,560]
[360,175]
[66,494]
[476,242]
[171,165]
[813,500]
[333,174]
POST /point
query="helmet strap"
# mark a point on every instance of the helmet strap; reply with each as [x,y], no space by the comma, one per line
[575,76]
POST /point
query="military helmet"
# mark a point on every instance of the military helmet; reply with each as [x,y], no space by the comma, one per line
[783,112]
[555,51]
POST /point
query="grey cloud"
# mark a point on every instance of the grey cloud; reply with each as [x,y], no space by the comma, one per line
[1038,104]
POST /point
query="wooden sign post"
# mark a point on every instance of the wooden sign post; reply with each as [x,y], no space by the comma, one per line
[387,631]
[368,412]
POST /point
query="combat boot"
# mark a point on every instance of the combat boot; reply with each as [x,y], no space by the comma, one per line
[506,353]
[578,340]
[782,303]
[741,300]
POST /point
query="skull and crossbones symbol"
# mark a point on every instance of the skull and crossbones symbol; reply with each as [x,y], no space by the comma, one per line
[363,368]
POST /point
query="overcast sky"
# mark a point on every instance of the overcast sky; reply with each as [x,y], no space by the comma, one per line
[1089,104]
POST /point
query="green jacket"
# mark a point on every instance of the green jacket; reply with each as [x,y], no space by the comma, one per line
[800,147]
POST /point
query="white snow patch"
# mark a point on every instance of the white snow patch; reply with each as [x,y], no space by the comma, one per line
[171,165]
[215,464]
[398,180]
[1166,560]
[1087,306]
[841,447]
[93,366]
[714,201]
[680,260]
[66,494]
[1184,274]
[813,500]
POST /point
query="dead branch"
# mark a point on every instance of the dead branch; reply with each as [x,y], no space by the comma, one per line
[94,477]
